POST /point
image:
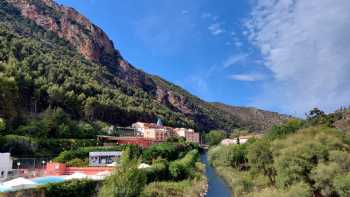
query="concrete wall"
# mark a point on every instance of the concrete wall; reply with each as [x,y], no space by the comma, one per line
[5,165]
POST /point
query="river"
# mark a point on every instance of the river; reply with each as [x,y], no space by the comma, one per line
[216,185]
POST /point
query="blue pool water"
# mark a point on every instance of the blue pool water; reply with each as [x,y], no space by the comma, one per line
[48,179]
[4,188]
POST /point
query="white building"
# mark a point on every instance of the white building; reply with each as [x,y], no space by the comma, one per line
[104,158]
[5,165]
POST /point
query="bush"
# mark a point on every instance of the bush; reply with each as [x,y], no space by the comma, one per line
[167,150]
[280,131]
[166,189]
[261,160]
[323,176]
[127,181]
[215,137]
[342,185]
[2,124]
[72,188]
[78,162]
[158,171]
[18,145]
[182,168]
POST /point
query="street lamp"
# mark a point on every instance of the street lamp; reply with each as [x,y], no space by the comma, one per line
[43,162]
[18,164]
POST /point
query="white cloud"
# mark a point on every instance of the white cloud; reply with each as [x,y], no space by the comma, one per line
[238,44]
[306,45]
[185,12]
[234,59]
[206,15]
[216,29]
[248,77]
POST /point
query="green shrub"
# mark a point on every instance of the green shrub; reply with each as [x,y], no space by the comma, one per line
[166,189]
[323,176]
[167,150]
[261,160]
[158,171]
[280,131]
[18,145]
[214,137]
[342,185]
[2,124]
[72,188]
[127,181]
[78,162]
[242,185]
[182,168]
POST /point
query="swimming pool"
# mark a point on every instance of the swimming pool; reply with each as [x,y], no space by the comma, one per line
[48,179]
[4,188]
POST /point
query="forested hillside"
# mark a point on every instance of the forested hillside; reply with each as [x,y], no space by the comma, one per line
[55,63]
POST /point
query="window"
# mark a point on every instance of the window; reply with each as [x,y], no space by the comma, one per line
[2,173]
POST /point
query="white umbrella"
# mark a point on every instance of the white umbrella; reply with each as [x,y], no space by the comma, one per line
[143,166]
[19,183]
[114,164]
[104,173]
[76,175]
[100,175]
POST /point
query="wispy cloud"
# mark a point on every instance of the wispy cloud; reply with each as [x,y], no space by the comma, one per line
[199,82]
[206,15]
[234,59]
[306,45]
[185,12]
[248,77]
[216,29]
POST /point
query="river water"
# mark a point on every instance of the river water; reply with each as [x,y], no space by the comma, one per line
[216,185]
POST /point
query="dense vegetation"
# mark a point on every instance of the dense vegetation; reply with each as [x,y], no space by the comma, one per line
[40,147]
[214,137]
[166,174]
[300,158]
[49,91]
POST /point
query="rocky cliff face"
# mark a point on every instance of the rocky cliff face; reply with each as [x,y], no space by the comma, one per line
[90,40]
[94,45]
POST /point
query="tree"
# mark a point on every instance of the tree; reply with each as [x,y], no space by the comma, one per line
[2,124]
[280,131]
[214,137]
[127,181]
[261,159]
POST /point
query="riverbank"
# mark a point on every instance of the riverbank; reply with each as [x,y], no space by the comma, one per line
[240,181]
[196,186]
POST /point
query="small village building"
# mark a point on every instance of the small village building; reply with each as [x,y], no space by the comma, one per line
[228,141]
[192,136]
[5,165]
[104,158]
[145,134]
[189,134]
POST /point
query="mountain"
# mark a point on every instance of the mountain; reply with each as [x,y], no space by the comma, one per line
[58,58]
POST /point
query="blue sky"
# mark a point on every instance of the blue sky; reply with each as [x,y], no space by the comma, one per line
[263,53]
